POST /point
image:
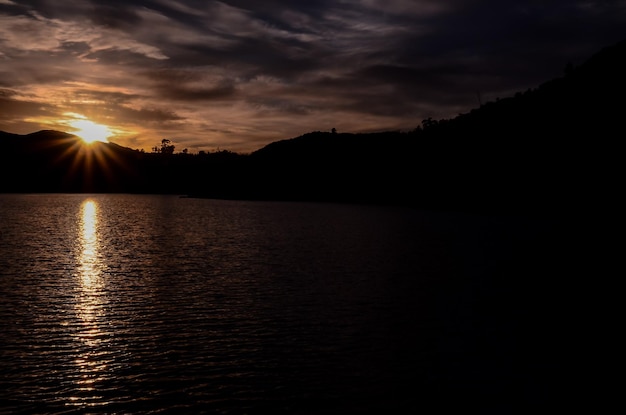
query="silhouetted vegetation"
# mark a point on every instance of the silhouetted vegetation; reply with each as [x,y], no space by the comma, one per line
[551,148]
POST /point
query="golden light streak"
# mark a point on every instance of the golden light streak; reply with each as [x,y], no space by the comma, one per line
[89,243]
[93,354]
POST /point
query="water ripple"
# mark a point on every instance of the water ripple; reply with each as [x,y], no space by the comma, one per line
[149,304]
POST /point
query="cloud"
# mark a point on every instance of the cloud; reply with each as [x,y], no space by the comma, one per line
[15,108]
[118,16]
[413,8]
[237,74]
[35,33]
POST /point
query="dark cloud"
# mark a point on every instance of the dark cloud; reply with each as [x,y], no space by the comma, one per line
[244,72]
[150,115]
[13,110]
[118,16]
[198,94]
[191,85]
[104,97]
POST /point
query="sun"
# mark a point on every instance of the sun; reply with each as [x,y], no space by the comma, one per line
[90,131]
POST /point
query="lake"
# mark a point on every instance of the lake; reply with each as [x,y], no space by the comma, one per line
[162,304]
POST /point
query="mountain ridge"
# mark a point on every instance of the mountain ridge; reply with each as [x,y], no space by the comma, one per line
[548,148]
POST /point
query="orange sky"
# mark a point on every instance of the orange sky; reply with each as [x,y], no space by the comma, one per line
[239,74]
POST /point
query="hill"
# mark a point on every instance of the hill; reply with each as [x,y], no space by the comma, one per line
[550,149]
[54,161]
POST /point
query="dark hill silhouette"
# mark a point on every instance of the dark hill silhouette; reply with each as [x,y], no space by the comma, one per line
[553,147]
[54,161]
[549,149]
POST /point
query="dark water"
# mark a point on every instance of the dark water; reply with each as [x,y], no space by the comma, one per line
[160,304]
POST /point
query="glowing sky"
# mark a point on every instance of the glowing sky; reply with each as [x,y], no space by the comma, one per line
[238,74]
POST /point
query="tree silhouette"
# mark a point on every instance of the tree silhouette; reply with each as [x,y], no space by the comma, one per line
[429,122]
[167,147]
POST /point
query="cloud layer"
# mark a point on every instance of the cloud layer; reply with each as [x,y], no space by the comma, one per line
[239,74]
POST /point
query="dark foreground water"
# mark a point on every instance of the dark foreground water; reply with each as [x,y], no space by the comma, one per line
[160,304]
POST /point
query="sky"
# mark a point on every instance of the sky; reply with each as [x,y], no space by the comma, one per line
[238,74]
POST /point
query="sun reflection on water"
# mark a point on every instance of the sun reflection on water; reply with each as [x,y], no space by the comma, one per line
[89,263]
[92,359]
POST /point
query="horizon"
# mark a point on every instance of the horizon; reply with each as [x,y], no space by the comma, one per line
[89,141]
[237,76]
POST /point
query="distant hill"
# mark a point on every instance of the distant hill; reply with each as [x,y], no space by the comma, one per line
[549,149]
[553,147]
[54,161]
